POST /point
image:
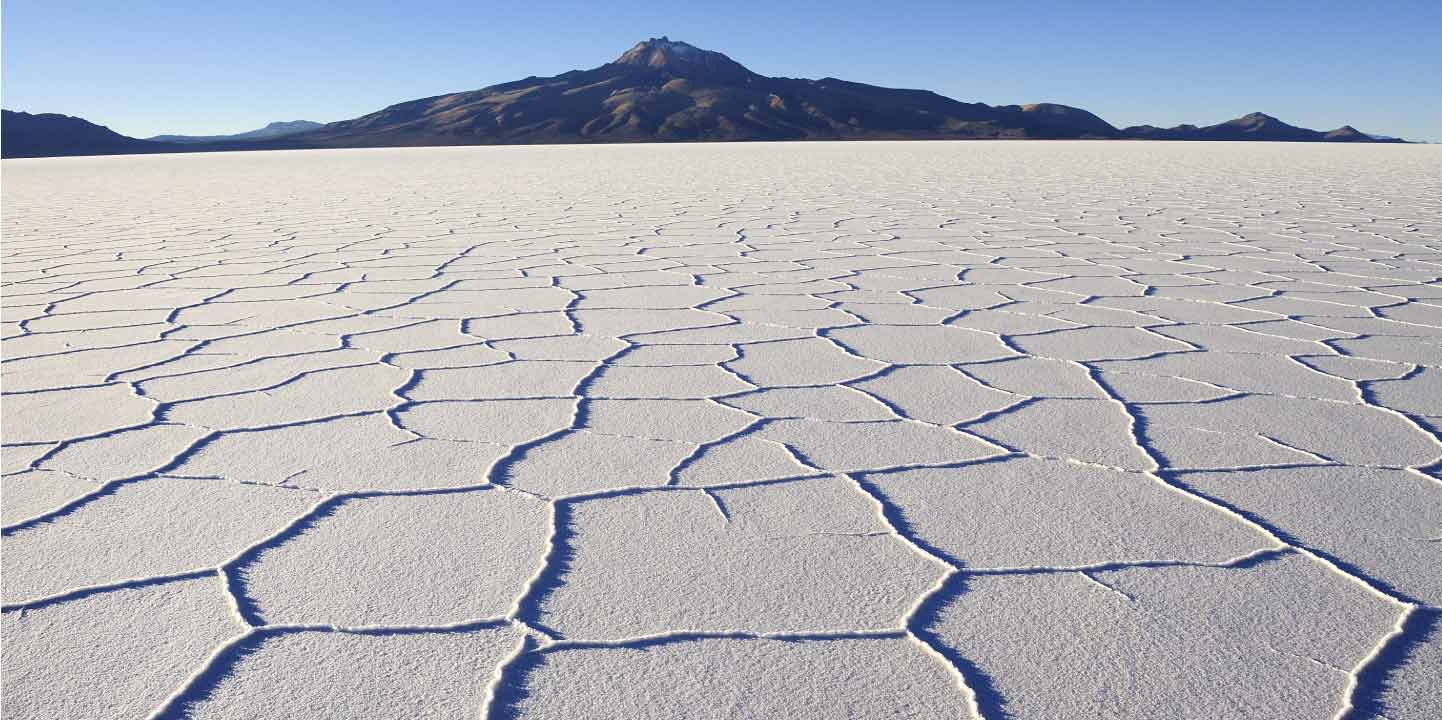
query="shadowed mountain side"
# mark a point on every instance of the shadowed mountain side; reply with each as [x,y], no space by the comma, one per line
[25,135]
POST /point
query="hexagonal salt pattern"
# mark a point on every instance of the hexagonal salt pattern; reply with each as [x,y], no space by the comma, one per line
[952,430]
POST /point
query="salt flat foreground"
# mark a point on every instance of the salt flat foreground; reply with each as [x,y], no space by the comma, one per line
[1046,430]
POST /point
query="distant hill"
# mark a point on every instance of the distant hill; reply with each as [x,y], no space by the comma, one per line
[25,135]
[273,130]
[664,90]
[1253,126]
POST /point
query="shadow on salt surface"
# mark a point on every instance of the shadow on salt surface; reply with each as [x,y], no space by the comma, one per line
[1421,629]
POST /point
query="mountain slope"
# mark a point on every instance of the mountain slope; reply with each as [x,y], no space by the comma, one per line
[269,132]
[45,134]
[666,90]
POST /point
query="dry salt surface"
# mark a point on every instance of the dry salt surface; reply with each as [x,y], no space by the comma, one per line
[871,430]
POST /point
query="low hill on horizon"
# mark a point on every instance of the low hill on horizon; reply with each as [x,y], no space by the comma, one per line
[1253,126]
[276,129]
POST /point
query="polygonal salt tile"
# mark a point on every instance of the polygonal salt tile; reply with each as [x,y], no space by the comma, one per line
[1419,393]
[31,493]
[258,314]
[1225,338]
[17,458]
[871,445]
[680,382]
[1092,431]
[838,403]
[921,344]
[63,414]
[739,460]
[1023,512]
[695,421]
[724,678]
[665,355]
[648,298]
[84,367]
[1176,642]
[962,297]
[517,379]
[506,422]
[232,375]
[1097,343]
[56,344]
[1093,286]
[896,314]
[1384,524]
[1135,387]
[730,334]
[938,395]
[583,462]
[111,654]
[408,559]
[618,323]
[1250,373]
[566,347]
[324,393]
[1418,351]
[1353,368]
[519,325]
[419,336]
[1341,432]
[1037,377]
[342,455]
[148,528]
[462,356]
[812,361]
[1004,322]
[127,453]
[1193,448]
[807,318]
[379,676]
[802,556]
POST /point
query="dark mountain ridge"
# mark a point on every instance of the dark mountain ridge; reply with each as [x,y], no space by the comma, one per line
[664,90]
[47,134]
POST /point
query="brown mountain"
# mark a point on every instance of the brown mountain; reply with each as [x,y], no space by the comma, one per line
[1252,126]
[667,90]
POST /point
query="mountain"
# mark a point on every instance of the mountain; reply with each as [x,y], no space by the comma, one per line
[1252,126]
[667,90]
[25,135]
[661,90]
[273,130]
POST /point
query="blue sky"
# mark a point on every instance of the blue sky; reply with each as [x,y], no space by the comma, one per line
[145,68]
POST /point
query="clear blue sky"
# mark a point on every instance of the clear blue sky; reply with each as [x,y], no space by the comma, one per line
[144,68]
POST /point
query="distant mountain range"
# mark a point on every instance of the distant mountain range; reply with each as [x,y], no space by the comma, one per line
[659,90]
[271,131]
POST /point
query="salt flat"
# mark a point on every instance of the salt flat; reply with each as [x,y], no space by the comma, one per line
[1028,430]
